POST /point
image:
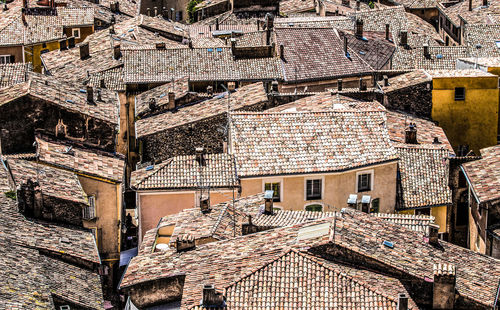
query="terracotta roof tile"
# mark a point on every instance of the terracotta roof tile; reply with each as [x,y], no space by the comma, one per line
[15,73]
[180,87]
[302,142]
[484,175]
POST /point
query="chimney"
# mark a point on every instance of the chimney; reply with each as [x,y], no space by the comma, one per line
[274,86]
[443,293]
[112,29]
[404,37]
[358,5]
[362,84]
[346,3]
[204,204]
[99,97]
[172,13]
[269,20]
[282,52]
[345,47]
[164,12]
[184,243]
[84,51]
[71,42]
[161,46]
[258,25]
[90,94]
[411,134]
[268,202]
[386,80]
[426,51]
[387,26]
[485,2]
[25,3]
[359,28]
[470,5]
[117,51]
[210,90]
[152,104]
[433,234]
[231,86]
[339,84]
[171,101]
[217,23]
[114,6]
[402,302]
[155,11]
[5,8]
[62,45]
[233,45]
[211,298]
[148,11]
[200,156]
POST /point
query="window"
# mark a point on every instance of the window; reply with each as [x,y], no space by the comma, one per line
[6,59]
[459,93]
[364,182]
[313,189]
[276,188]
[315,208]
[89,211]
[76,33]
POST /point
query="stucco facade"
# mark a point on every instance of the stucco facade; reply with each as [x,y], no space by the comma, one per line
[336,188]
[472,121]
[439,213]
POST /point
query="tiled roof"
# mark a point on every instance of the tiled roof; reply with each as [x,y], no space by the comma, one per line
[416,4]
[282,218]
[81,160]
[424,173]
[206,27]
[372,48]
[418,223]
[101,12]
[186,172]
[198,64]
[67,96]
[159,24]
[426,130]
[226,262]
[113,79]
[484,174]
[243,97]
[341,22]
[336,6]
[486,36]
[15,73]
[293,142]
[440,58]
[478,15]
[53,182]
[316,53]
[42,235]
[293,6]
[407,80]
[128,7]
[180,87]
[483,61]
[459,73]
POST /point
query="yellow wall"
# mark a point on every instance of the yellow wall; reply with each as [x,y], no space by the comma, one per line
[439,214]
[473,235]
[108,208]
[155,205]
[35,50]
[473,121]
[337,187]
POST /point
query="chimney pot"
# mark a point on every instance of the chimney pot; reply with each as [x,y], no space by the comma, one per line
[212,299]
[386,80]
[210,90]
[274,86]
[71,42]
[117,51]
[102,84]
[62,45]
[444,286]
[184,243]
[402,302]
[358,5]
[268,202]
[387,28]
[231,86]
[485,2]
[233,45]
[171,101]
[84,51]
[200,156]
[339,84]
[152,104]
[90,94]
[282,52]
[411,134]
[359,28]
[470,5]
[155,11]
[404,37]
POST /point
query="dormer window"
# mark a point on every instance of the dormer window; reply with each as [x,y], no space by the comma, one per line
[76,33]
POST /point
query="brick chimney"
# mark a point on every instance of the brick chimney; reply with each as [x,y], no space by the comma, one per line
[152,104]
[427,54]
[274,86]
[470,5]
[404,37]
[443,295]
[233,45]
[362,85]
[117,51]
[282,52]
[204,204]
[387,28]
[211,298]
[485,2]
[84,51]
[411,134]
[171,101]
[339,84]
[359,28]
[200,156]
[386,80]
[402,302]
[71,42]
[231,86]
[90,94]
[62,45]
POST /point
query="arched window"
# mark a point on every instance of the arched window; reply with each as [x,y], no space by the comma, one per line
[314,207]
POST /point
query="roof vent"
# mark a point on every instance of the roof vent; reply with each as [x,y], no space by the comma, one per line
[185,243]
[411,134]
[268,202]
[388,244]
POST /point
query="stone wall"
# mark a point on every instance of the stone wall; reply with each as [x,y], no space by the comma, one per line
[20,118]
[416,100]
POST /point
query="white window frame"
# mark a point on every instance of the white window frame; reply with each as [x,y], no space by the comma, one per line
[372,179]
[73,33]
[274,180]
[315,203]
[90,211]
[309,178]
[6,59]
